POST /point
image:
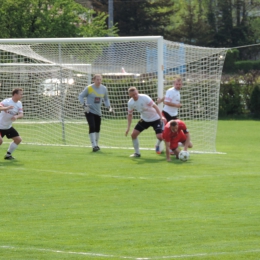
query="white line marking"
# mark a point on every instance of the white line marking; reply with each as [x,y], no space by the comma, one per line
[209,254]
[69,252]
[131,257]
[173,178]
[110,147]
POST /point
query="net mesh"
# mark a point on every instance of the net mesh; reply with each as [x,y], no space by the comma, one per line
[53,74]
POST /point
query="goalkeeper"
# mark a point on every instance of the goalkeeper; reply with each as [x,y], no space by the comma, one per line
[91,98]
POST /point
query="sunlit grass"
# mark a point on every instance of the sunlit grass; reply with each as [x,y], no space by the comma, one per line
[71,203]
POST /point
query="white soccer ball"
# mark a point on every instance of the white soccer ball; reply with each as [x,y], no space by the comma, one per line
[184,156]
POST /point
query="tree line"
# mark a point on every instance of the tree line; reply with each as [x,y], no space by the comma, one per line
[208,23]
[51,19]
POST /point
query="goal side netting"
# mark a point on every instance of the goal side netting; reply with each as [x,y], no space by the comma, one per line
[52,73]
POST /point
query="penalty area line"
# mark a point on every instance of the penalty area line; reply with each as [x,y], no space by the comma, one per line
[129,257]
[63,252]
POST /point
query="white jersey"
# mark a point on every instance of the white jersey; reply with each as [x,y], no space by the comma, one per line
[143,105]
[5,116]
[173,96]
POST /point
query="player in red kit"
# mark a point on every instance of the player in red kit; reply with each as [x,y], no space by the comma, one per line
[175,131]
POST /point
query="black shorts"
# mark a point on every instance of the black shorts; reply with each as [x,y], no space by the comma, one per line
[9,133]
[94,122]
[142,125]
[168,116]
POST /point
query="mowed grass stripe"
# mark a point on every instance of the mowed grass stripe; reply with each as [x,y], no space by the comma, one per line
[155,178]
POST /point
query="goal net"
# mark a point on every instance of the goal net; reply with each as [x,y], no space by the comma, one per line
[52,73]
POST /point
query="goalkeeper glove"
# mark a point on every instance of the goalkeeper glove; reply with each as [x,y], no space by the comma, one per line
[86,108]
[111,110]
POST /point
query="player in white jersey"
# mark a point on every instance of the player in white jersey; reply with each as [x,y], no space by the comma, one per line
[150,116]
[11,110]
[91,98]
[172,102]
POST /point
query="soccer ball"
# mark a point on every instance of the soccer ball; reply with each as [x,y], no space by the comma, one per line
[184,156]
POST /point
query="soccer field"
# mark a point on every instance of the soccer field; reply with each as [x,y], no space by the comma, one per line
[70,203]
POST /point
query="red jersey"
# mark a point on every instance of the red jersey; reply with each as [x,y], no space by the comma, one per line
[170,136]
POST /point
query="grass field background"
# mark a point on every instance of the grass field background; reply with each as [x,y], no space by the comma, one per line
[71,203]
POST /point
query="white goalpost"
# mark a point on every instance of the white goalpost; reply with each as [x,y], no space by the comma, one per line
[52,73]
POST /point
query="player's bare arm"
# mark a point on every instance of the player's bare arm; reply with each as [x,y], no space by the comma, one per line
[20,115]
[160,100]
[167,148]
[129,121]
[158,111]
[187,143]
[2,108]
[172,104]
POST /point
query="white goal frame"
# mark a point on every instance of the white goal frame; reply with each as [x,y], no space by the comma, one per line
[199,67]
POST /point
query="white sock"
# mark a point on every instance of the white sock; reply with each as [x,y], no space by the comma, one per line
[92,138]
[97,138]
[136,145]
[12,147]
[158,142]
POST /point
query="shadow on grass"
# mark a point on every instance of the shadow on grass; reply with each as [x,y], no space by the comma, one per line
[151,160]
[10,163]
[144,159]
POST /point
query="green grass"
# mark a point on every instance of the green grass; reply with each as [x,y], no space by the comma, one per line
[70,203]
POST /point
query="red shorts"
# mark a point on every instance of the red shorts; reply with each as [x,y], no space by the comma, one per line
[180,138]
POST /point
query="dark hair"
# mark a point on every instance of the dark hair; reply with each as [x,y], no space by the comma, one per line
[16,91]
[173,123]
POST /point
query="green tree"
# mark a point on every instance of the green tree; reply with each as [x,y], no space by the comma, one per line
[231,58]
[230,100]
[251,53]
[255,101]
[50,18]
[190,23]
[221,23]
[233,22]
[138,18]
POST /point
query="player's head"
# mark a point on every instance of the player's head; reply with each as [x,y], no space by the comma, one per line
[17,94]
[133,93]
[174,126]
[177,83]
[97,79]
